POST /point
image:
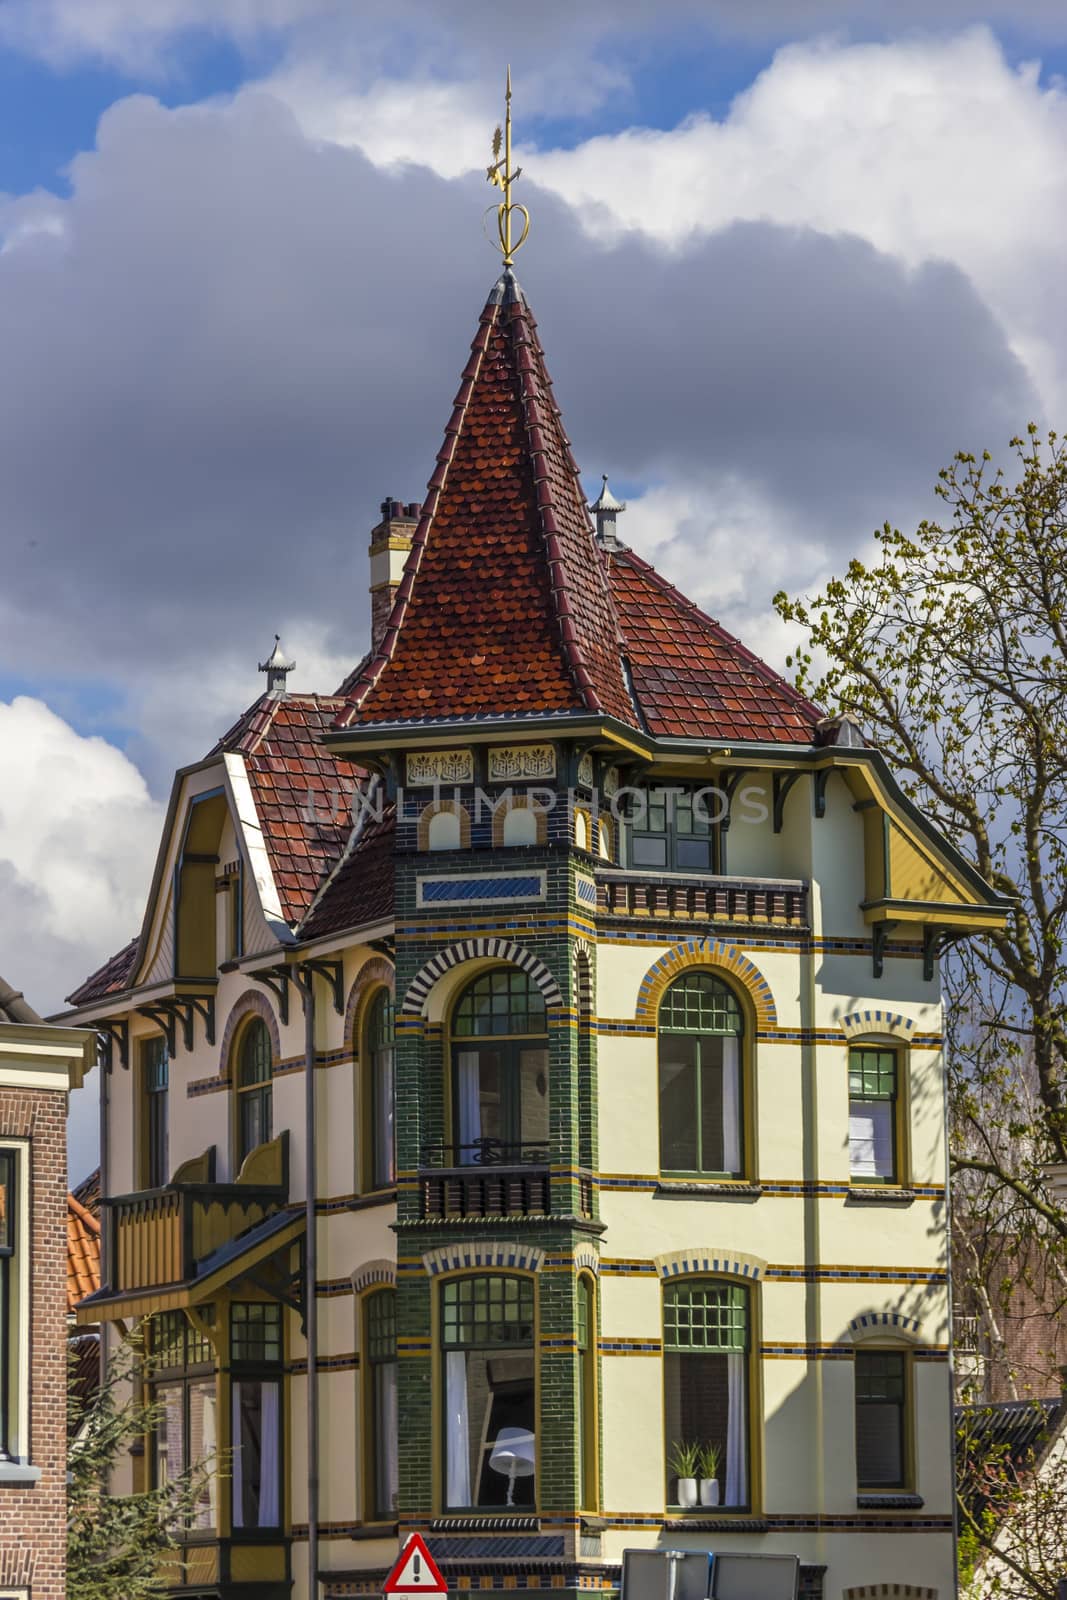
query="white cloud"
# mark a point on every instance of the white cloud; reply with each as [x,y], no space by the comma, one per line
[78,835]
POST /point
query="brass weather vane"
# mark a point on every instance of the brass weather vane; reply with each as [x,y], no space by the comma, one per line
[501,175]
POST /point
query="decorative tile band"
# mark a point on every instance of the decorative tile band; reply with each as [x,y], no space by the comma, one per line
[774,1188]
[731,1262]
[493,889]
[627,1267]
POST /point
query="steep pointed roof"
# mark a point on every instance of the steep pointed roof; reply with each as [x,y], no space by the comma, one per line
[693,679]
[503,608]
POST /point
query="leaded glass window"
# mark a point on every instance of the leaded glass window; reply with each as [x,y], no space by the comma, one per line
[881,1415]
[503,1001]
[706,1342]
[254,1092]
[500,1107]
[872,1115]
[255,1331]
[490,1427]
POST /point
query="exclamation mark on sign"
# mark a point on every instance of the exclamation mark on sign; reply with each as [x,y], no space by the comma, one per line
[418,1567]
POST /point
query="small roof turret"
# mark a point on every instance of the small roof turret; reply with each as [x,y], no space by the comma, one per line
[605,509]
[277,667]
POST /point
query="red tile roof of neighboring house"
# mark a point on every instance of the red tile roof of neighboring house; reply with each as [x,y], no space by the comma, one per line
[111,978]
[503,608]
[692,678]
[87,1193]
[83,1252]
[303,793]
[361,889]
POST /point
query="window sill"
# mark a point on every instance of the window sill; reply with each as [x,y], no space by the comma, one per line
[709,1188]
[18,1475]
[373,1530]
[373,1197]
[700,1522]
[890,1502]
[874,1195]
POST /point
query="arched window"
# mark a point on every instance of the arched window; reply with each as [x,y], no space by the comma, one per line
[587,1426]
[379,1405]
[380,1090]
[254,1069]
[706,1344]
[520,825]
[490,1427]
[500,1069]
[581,830]
[700,1098]
[603,837]
[444,832]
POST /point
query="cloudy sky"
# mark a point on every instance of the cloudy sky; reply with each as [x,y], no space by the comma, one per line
[787,256]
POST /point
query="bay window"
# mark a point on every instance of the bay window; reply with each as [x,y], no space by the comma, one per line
[500,1069]
[706,1343]
[700,1079]
[490,1429]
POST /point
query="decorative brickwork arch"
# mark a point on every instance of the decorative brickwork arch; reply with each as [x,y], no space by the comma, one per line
[479,950]
[488,1255]
[874,1324]
[890,1591]
[253,1003]
[518,802]
[371,975]
[435,809]
[586,1259]
[373,1274]
[704,1259]
[721,957]
[860,1023]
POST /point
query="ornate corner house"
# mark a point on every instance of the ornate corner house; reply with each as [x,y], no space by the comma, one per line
[38,1064]
[523,1113]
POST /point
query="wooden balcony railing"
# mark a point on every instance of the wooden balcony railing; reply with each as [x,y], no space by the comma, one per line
[159,1236]
[493,1179]
[781,903]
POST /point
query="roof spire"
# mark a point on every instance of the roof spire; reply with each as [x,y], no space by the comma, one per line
[501,175]
[605,509]
[277,667]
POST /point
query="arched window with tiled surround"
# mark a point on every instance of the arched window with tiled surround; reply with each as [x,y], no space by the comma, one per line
[499,1069]
[700,1030]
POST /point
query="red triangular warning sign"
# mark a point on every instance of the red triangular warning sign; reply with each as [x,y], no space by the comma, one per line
[416,1571]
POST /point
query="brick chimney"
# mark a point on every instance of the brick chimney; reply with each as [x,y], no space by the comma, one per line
[390,542]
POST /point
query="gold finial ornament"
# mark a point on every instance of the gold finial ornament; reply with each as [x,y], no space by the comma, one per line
[501,175]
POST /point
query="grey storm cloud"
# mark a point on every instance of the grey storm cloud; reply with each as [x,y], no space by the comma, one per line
[230,343]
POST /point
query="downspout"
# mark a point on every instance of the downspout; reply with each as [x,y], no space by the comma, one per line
[104,1062]
[311,1310]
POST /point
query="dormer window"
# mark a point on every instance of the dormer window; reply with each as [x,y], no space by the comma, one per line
[672,827]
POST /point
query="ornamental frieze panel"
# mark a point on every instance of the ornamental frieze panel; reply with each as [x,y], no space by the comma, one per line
[427,768]
[521,763]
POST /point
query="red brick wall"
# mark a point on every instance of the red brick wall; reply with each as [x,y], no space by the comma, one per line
[33,1520]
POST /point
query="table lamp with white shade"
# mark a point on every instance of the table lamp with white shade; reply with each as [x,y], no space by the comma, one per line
[514,1456]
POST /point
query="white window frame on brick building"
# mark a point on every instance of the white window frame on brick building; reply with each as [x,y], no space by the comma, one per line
[15,1318]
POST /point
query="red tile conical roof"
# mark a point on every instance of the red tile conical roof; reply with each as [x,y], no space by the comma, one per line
[503,609]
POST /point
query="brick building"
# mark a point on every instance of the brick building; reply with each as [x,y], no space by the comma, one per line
[38,1064]
[530,1065]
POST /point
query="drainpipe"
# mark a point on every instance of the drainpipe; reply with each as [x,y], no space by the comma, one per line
[104,1067]
[306,983]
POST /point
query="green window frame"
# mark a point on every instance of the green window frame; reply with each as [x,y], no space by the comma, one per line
[254,1090]
[500,1071]
[380,1404]
[673,827]
[155,1090]
[183,1397]
[873,1114]
[882,1379]
[587,1425]
[707,1343]
[256,1332]
[381,1042]
[701,1078]
[489,1392]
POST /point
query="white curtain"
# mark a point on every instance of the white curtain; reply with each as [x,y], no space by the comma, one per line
[237,1468]
[736,1432]
[457,1430]
[388,1462]
[209,1442]
[269,1508]
[870,1138]
[468,1101]
[731,1105]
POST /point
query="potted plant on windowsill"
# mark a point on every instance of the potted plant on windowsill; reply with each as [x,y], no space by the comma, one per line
[708,1473]
[682,1462]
